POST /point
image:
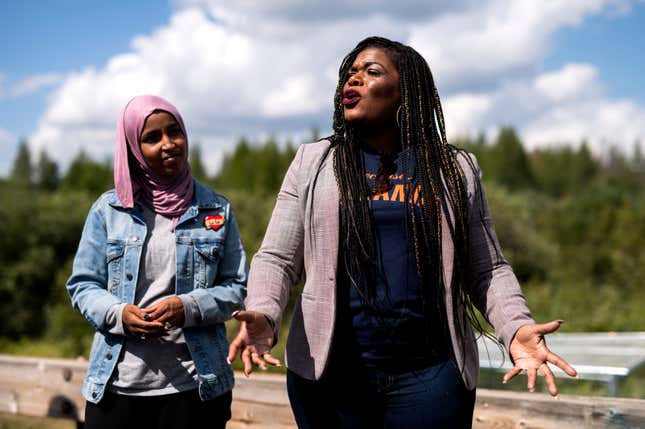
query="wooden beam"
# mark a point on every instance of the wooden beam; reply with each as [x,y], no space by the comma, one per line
[52,387]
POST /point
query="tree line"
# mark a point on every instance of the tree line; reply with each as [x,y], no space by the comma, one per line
[572,224]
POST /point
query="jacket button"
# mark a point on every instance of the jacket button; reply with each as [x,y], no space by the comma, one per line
[108,356]
[128,276]
[94,395]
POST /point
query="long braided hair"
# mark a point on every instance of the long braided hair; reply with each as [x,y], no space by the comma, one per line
[436,171]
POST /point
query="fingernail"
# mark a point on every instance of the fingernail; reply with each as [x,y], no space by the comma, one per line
[557,397]
[578,376]
[228,361]
[503,381]
[560,321]
[234,313]
[532,390]
[264,368]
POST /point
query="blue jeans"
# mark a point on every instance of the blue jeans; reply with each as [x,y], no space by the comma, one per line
[357,396]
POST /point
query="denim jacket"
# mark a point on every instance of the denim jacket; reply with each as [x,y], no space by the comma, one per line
[211,268]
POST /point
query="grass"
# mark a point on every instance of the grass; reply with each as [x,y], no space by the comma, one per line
[12,421]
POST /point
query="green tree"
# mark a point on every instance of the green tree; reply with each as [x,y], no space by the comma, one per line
[88,175]
[561,171]
[47,176]
[509,164]
[196,163]
[255,168]
[22,171]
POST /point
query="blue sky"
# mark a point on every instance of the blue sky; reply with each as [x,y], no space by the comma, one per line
[64,36]
[614,44]
[560,71]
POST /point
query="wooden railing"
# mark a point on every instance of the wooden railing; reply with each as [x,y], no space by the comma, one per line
[52,387]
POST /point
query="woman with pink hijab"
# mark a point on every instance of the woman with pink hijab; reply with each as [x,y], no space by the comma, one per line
[159,268]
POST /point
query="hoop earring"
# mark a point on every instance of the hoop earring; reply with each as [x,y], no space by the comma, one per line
[399,116]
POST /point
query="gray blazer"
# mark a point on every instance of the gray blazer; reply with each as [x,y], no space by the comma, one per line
[303,234]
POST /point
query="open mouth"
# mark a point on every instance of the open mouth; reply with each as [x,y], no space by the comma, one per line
[351,98]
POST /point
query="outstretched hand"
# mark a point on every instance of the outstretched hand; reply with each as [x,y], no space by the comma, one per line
[530,353]
[254,341]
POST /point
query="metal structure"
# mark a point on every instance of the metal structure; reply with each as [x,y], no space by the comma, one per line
[603,356]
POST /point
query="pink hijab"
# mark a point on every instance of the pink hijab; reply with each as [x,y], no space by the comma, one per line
[170,196]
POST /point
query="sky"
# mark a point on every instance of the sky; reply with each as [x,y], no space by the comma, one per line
[559,71]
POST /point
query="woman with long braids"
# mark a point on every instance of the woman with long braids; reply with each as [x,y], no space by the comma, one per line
[389,226]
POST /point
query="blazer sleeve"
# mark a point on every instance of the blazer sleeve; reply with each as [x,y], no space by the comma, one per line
[495,289]
[277,266]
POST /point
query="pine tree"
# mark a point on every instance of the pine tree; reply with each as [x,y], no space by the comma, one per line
[509,162]
[22,172]
[47,176]
[196,163]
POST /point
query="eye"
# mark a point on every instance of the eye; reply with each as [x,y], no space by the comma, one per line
[175,132]
[373,72]
[151,137]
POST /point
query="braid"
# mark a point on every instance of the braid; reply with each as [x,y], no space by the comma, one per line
[440,179]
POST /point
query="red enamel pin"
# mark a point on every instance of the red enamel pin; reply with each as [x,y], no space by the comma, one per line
[214,222]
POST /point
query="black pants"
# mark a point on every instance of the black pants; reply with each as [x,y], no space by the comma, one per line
[176,411]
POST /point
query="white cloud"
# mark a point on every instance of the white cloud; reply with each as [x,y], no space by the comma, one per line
[251,68]
[571,82]
[556,111]
[603,123]
[28,85]
[463,110]
[320,10]
[227,81]
[8,147]
[482,46]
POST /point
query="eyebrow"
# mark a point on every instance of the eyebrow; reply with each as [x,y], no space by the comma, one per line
[368,63]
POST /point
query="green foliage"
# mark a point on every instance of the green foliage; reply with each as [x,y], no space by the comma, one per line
[47,177]
[22,171]
[88,175]
[571,225]
[196,163]
[564,171]
[509,163]
[255,168]
[516,223]
[38,234]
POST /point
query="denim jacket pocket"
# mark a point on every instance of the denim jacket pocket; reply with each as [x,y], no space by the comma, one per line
[207,257]
[114,259]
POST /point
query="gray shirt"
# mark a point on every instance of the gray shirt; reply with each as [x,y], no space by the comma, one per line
[158,365]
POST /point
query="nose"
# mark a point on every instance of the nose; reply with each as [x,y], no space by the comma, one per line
[354,80]
[167,142]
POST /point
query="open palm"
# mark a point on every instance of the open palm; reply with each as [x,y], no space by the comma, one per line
[529,353]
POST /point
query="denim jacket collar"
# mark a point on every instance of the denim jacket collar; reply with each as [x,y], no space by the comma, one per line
[202,199]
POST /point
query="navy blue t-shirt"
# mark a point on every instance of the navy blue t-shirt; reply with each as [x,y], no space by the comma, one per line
[397,337]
